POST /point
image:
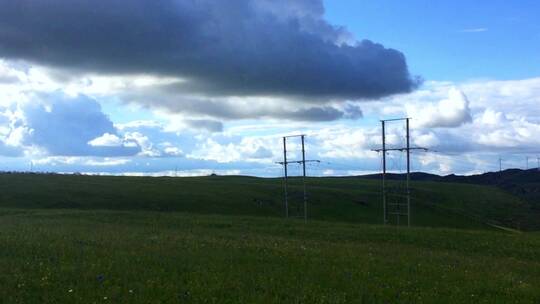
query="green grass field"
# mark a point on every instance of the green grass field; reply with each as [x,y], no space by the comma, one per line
[82,239]
[71,256]
[331,199]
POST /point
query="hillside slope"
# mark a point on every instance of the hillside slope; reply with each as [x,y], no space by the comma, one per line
[332,199]
[524,184]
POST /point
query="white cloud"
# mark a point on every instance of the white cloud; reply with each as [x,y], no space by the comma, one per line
[475,30]
[173,151]
[512,97]
[518,133]
[491,118]
[136,124]
[107,162]
[344,142]
[447,113]
[426,140]
[146,145]
[106,140]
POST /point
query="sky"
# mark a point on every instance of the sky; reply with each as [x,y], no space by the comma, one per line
[193,87]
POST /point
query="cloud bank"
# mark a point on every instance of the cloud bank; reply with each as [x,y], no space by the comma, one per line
[216,48]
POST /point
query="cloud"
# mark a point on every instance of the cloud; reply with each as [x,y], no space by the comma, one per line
[213,48]
[173,151]
[475,30]
[426,140]
[8,75]
[476,117]
[157,139]
[205,124]
[235,108]
[492,118]
[147,147]
[447,113]
[58,124]
[64,126]
[514,97]
[106,140]
[107,162]
[347,143]
[466,126]
[183,112]
[8,150]
[498,131]
[227,148]
[261,153]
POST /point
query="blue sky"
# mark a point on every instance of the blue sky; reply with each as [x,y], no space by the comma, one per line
[192,87]
[451,40]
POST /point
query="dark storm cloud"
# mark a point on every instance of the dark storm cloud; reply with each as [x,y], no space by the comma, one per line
[221,48]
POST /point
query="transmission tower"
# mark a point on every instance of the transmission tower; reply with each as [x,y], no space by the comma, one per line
[398,213]
[286,176]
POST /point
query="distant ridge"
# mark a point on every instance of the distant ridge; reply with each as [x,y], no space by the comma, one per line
[522,183]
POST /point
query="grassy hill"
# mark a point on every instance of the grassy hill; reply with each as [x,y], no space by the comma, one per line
[75,256]
[347,199]
[524,184]
[99,239]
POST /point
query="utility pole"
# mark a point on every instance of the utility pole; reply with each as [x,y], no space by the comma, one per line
[406,149]
[500,164]
[385,212]
[285,176]
[527,163]
[304,177]
[538,163]
[285,164]
[408,174]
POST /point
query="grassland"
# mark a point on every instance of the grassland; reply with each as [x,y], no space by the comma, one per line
[332,199]
[73,256]
[84,239]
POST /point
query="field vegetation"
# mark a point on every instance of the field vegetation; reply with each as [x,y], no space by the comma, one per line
[83,239]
